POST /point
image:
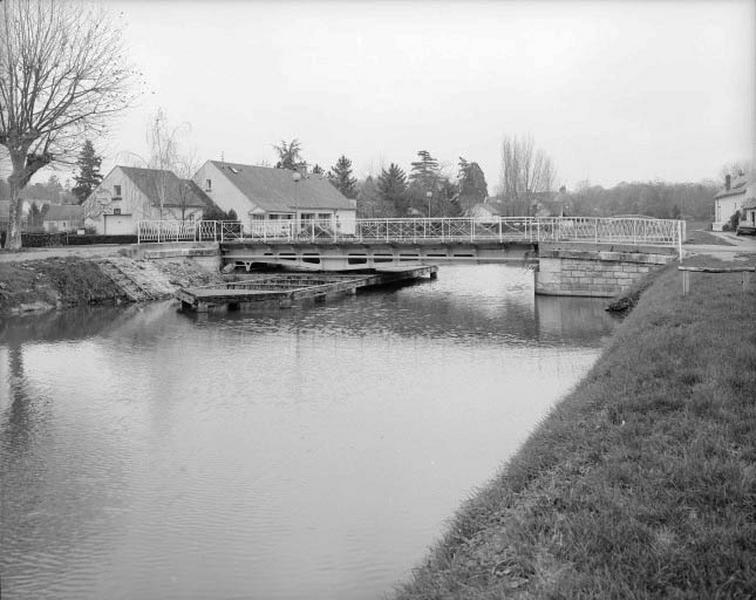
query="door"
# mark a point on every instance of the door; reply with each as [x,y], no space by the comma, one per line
[119,225]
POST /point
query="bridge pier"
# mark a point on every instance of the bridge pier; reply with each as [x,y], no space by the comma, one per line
[600,271]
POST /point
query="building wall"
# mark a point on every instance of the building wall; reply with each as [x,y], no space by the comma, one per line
[724,208]
[60,226]
[103,201]
[224,193]
[347,220]
[601,274]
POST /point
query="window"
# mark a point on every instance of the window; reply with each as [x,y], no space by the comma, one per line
[116,211]
[208,185]
[117,191]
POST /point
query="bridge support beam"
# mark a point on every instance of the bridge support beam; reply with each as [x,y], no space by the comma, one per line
[340,256]
[602,272]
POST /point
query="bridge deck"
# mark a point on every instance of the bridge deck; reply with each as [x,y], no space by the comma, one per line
[283,290]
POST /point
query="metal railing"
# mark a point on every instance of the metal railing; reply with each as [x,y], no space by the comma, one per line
[188,231]
[620,230]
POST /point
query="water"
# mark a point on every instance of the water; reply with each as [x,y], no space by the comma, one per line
[310,453]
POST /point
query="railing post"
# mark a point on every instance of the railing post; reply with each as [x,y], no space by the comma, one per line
[596,229]
[501,233]
[387,230]
[472,230]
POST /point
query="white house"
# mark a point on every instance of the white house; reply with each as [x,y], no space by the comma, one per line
[131,194]
[63,217]
[747,222]
[260,194]
[730,199]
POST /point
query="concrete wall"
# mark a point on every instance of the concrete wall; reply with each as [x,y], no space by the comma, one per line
[597,273]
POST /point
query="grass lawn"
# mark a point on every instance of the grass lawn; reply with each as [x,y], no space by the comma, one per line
[699,232]
[642,482]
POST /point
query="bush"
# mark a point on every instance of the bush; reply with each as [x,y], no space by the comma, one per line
[732,224]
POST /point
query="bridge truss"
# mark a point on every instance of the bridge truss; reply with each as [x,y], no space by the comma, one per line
[619,230]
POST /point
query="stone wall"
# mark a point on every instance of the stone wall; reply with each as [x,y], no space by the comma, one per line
[598,273]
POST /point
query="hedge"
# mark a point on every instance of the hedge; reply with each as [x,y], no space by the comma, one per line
[41,240]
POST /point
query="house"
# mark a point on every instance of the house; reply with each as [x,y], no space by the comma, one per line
[487,210]
[730,199]
[4,211]
[128,195]
[63,217]
[262,194]
[537,204]
[747,222]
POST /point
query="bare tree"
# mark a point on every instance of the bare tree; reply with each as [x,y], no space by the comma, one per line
[63,74]
[525,170]
[736,169]
[166,155]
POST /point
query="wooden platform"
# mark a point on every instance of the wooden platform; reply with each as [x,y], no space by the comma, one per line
[285,289]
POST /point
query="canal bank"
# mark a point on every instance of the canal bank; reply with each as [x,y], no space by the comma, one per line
[32,284]
[639,483]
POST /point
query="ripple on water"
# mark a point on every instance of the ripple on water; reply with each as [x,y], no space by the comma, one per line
[311,452]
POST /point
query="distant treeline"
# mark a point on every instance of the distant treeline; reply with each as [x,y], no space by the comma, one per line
[52,191]
[655,199]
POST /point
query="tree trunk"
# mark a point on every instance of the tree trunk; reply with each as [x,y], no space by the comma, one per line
[15,213]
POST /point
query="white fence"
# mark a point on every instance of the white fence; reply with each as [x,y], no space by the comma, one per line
[622,230]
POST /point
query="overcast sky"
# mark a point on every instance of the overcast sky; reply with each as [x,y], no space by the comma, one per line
[612,91]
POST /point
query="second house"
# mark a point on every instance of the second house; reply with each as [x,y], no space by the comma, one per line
[262,194]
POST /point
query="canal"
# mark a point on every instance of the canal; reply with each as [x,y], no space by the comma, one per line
[308,453]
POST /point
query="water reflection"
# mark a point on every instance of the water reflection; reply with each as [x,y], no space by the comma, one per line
[312,452]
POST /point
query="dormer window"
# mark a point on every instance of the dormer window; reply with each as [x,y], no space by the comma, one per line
[208,185]
[117,191]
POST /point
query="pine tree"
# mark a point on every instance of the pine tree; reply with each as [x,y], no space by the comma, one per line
[340,176]
[89,176]
[392,186]
[471,184]
[318,170]
[424,173]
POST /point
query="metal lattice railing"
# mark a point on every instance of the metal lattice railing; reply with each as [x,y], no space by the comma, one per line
[624,230]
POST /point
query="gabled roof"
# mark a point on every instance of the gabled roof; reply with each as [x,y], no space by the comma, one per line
[739,186]
[155,183]
[64,212]
[278,190]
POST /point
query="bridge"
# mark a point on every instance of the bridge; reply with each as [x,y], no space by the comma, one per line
[584,256]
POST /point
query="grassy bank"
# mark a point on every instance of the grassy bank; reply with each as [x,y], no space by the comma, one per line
[53,282]
[642,482]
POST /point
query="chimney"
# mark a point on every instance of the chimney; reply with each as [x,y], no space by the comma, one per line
[727,182]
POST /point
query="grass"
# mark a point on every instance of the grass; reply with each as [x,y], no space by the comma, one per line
[53,282]
[639,484]
[699,232]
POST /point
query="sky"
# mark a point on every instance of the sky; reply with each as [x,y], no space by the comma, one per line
[612,91]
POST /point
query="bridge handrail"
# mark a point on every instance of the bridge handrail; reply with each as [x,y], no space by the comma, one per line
[621,229]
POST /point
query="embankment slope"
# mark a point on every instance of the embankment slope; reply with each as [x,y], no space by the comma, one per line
[58,282]
[642,482]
